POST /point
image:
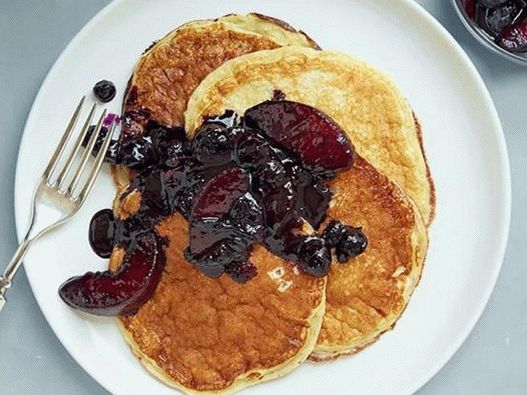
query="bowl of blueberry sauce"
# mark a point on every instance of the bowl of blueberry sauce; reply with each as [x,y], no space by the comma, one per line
[500,25]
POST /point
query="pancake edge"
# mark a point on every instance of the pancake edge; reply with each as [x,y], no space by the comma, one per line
[433,197]
[420,242]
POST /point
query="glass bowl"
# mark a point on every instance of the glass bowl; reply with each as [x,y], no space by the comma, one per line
[484,38]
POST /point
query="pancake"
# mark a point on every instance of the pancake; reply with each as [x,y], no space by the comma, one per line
[168,72]
[170,69]
[364,101]
[214,335]
[365,297]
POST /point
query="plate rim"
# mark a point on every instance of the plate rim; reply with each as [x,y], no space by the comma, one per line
[501,150]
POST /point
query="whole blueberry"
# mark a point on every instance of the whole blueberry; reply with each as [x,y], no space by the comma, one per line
[353,243]
[104,91]
[315,257]
[334,233]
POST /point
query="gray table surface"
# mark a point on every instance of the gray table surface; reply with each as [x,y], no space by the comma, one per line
[493,360]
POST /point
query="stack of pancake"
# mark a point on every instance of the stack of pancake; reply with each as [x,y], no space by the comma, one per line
[214,335]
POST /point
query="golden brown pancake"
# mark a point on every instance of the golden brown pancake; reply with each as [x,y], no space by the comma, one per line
[365,297]
[203,334]
[364,101]
[169,71]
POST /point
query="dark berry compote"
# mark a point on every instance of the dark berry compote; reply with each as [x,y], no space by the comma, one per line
[262,178]
[503,20]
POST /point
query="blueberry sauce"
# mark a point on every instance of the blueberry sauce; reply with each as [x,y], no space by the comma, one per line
[505,21]
[238,182]
[114,147]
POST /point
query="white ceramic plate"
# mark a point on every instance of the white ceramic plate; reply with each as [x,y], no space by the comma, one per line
[463,140]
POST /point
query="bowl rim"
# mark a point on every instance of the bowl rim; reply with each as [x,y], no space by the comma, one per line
[483,38]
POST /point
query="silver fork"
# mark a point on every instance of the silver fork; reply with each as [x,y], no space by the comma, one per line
[56,199]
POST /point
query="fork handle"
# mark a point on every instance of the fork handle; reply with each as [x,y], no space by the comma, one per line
[7,279]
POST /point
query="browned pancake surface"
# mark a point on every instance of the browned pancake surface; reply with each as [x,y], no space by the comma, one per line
[171,74]
[366,296]
[168,73]
[204,333]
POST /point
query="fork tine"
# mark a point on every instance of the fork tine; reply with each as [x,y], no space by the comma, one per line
[76,149]
[63,141]
[99,160]
[86,154]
